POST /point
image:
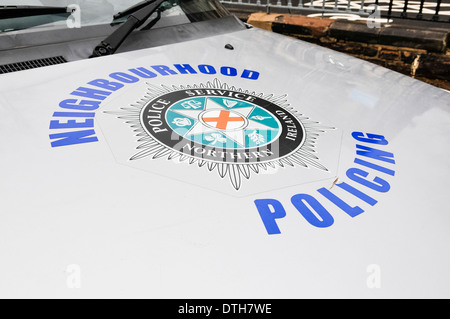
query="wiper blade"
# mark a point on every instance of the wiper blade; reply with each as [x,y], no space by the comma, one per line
[132,9]
[9,12]
[135,20]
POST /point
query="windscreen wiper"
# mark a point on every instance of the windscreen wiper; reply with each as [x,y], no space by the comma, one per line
[10,12]
[135,20]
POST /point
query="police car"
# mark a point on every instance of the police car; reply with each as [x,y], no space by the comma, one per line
[165,149]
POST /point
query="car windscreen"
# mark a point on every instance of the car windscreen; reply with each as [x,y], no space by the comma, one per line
[81,13]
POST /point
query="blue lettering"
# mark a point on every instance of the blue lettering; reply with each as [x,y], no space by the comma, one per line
[56,124]
[323,217]
[73,114]
[375,153]
[352,211]
[143,73]
[207,69]
[369,200]
[105,84]
[270,210]
[313,211]
[375,166]
[185,68]
[371,138]
[91,93]
[163,70]
[228,71]
[124,77]
[378,184]
[251,75]
[70,138]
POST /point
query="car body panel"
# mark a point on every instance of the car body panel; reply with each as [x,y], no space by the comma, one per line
[87,216]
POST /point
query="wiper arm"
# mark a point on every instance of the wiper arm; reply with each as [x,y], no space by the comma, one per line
[135,20]
[9,12]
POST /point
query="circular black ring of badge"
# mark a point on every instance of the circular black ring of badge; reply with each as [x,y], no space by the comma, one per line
[153,120]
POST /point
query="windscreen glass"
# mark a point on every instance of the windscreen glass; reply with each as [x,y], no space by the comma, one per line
[82,13]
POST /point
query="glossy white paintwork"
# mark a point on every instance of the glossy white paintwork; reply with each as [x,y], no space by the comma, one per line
[161,229]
